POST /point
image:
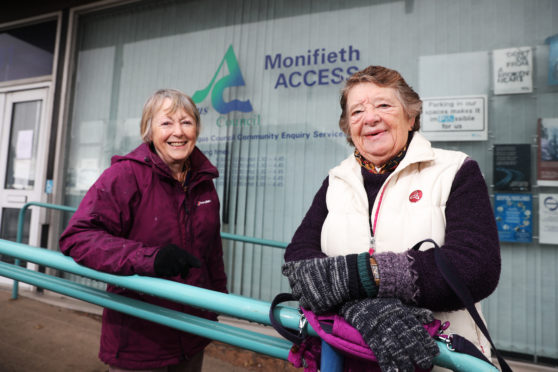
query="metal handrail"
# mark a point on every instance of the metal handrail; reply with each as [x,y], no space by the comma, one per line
[254,341]
[234,305]
[230,304]
[65,208]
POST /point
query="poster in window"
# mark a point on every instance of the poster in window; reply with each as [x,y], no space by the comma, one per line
[454,118]
[548,218]
[513,70]
[512,167]
[547,162]
[552,59]
[513,214]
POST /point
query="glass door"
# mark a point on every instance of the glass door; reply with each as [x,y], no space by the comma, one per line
[23,157]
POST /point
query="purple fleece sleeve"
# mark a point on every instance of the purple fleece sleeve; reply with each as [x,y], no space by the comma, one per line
[471,244]
[95,235]
[306,242]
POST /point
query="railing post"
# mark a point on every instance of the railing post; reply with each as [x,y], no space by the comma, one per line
[331,360]
[19,238]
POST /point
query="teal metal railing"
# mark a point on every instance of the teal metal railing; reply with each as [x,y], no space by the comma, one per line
[228,304]
[20,223]
[64,208]
[233,305]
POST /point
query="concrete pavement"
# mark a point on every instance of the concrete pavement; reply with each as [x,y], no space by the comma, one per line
[50,332]
[55,333]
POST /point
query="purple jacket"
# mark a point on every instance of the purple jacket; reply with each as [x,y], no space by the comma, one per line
[132,210]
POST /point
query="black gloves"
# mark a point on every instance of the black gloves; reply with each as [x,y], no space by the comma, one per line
[394,332]
[321,284]
[171,261]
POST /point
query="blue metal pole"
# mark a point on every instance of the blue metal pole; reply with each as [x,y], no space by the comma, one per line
[237,306]
[19,236]
[230,304]
[269,345]
[23,210]
[246,239]
[331,360]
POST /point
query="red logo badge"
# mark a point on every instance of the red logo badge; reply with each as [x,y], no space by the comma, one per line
[415,196]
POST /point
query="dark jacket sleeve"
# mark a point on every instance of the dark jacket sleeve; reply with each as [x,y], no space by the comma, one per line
[95,235]
[471,244]
[306,242]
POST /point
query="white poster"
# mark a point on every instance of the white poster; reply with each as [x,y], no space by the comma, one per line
[454,118]
[513,70]
[24,145]
[548,218]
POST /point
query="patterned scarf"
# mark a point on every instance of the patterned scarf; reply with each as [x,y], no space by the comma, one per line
[389,166]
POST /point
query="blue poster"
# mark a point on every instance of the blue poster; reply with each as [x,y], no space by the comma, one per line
[512,167]
[514,213]
[552,59]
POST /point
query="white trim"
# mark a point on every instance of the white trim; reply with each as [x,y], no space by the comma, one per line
[100,5]
[26,81]
[17,198]
[30,20]
[16,88]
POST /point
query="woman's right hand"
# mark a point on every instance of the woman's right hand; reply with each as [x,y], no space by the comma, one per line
[171,261]
[321,284]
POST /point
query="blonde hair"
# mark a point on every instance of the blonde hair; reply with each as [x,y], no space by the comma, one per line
[179,101]
[387,78]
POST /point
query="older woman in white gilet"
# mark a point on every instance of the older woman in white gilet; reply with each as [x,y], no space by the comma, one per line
[352,252]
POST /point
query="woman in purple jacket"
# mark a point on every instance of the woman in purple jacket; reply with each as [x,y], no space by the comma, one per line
[154,212]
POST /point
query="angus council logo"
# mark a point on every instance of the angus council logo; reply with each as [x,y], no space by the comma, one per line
[217,87]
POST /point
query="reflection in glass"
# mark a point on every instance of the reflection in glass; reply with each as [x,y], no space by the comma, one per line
[22,156]
[8,229]
[27,51]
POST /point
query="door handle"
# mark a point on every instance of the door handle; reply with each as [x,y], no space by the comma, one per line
[17,199]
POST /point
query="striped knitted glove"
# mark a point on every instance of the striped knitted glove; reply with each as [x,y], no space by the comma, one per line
[394,332]
[321,284]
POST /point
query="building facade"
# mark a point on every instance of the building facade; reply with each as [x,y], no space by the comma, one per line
[266,77]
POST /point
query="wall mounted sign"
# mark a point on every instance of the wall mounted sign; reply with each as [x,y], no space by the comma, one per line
[512,167]
[547,162]
[514,213]
[454,118]
[513,70]
[548,218]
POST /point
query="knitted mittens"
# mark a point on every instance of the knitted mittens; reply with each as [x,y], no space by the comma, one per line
[321,284]
[394,332]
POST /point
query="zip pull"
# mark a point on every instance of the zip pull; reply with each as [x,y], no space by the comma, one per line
[372,248]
